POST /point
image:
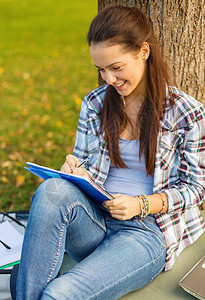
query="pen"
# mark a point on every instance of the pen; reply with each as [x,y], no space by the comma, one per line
[83,162]
[5,245]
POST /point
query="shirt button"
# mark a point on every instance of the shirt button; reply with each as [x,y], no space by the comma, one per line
[107,159]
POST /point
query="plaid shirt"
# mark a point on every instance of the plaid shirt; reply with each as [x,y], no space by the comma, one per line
[179,164]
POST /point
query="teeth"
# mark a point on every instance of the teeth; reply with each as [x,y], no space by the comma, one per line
[119,84]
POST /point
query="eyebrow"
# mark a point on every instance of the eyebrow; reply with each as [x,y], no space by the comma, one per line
[117,62]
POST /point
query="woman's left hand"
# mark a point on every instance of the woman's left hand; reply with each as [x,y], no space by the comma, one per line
[123,207]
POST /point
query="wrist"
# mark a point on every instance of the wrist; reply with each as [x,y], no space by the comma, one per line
[163,199]
[158,203]
[144,205]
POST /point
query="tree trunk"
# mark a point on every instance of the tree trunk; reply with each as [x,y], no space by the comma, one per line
[179,27]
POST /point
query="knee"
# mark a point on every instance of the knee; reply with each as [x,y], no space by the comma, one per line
[49,293]
[54,191]
[57,289]
[46,198]
[51,186]
[53,195]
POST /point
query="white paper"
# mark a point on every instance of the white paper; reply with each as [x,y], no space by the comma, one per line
[14,239]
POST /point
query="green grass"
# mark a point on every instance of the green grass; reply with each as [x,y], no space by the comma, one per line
[45,71]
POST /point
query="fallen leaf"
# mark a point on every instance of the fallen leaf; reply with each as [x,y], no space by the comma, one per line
[26,76]
[20,180]
[4,179]
[59,124]
[1,70]
[78,100]
[6,164]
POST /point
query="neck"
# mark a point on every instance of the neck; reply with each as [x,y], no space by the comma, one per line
[133,104]
[139,94]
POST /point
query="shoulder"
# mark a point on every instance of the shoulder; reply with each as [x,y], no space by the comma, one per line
[185,110]
[181,99]
[95,99]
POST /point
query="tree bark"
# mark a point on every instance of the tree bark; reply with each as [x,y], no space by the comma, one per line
[179,27]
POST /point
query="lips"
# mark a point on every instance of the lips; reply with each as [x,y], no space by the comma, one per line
[119,85]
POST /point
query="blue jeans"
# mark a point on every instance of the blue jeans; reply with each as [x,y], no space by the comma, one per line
[114,257]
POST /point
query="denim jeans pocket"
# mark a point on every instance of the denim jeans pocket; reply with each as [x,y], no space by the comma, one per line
[151,228]
[149,223]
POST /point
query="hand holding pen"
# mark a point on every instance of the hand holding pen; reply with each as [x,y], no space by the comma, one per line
[83,162]
[73,165]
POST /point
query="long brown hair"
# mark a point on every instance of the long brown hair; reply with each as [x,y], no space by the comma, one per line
[129,27]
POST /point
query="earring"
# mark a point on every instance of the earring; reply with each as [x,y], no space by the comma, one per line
[146,58]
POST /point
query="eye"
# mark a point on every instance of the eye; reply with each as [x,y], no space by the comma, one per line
[101,70]
[116,68]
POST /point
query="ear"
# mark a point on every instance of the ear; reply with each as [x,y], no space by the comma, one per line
[144,51]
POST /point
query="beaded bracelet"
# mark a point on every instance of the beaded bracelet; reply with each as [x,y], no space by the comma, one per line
[141,205]
[163,203]
[145,205]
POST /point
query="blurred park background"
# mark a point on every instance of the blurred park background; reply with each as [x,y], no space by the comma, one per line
[45,71]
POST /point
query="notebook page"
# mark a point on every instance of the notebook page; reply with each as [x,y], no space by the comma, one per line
[10,236]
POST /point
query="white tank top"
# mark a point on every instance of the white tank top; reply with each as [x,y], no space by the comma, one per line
[132,180]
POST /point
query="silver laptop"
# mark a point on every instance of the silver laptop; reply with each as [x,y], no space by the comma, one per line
[194,281]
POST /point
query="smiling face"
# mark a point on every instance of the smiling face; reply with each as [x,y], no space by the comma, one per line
[124,71]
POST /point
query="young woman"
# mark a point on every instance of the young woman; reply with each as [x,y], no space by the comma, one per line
[146,143]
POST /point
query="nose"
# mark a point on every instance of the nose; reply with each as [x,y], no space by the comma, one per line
[109,77]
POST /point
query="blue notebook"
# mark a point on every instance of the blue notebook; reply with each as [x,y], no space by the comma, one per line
[86,184]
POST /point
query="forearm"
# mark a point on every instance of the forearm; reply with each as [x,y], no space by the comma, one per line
[157,202]
[124,207]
